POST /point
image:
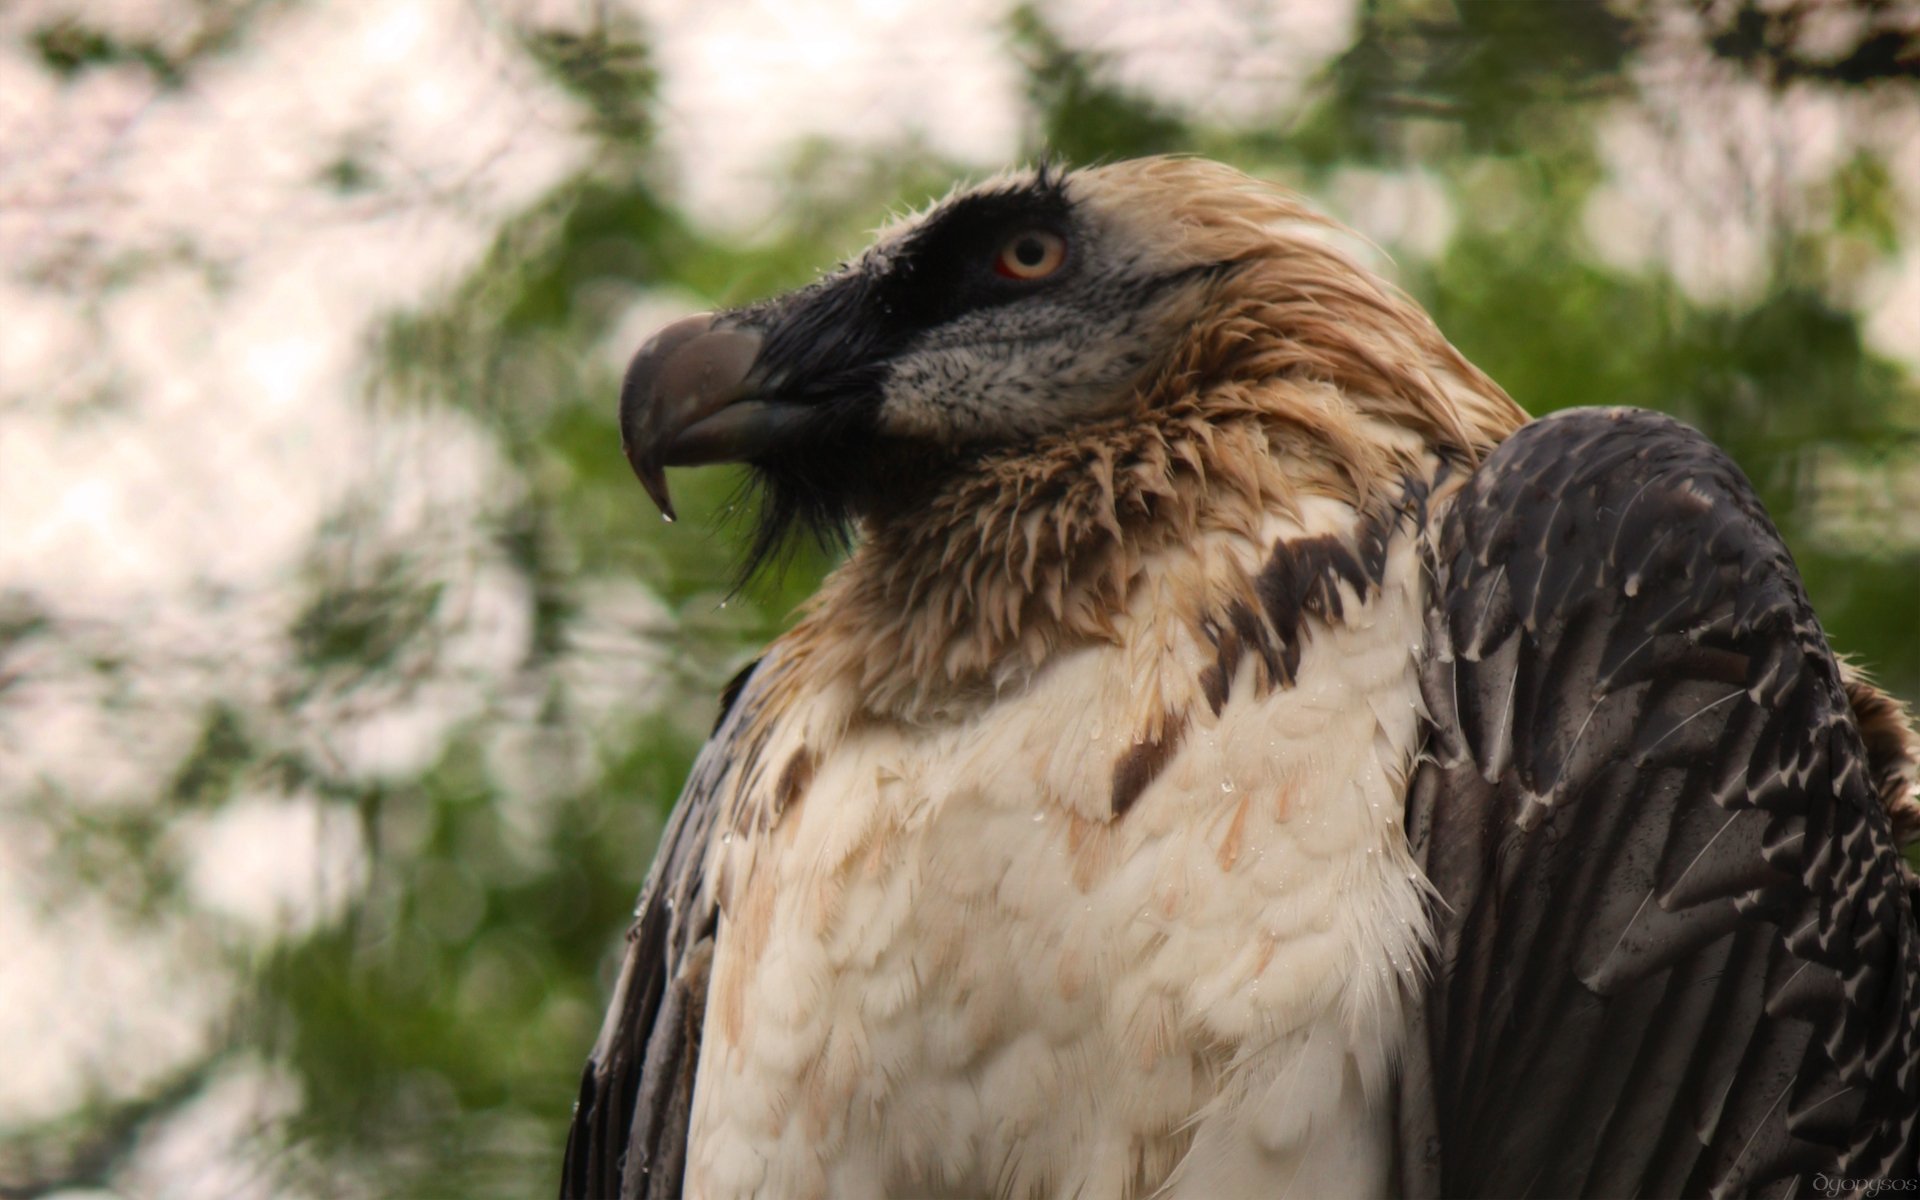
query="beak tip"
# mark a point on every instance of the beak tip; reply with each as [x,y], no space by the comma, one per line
[654,479]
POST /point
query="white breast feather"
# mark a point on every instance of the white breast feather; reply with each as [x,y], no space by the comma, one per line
[948,971]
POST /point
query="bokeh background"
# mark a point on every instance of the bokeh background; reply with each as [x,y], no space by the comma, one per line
[346,676]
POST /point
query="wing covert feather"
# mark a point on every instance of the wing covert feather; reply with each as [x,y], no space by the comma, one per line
[629,1133]
[1677,942]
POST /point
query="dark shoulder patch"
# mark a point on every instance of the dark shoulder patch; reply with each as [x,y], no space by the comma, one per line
[1142,764]
[795,778]
[1217,679]
[1302,579]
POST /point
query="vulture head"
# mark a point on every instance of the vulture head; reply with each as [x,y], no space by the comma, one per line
[1038,308]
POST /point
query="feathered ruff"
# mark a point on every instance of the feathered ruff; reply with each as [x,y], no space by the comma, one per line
[1304,376]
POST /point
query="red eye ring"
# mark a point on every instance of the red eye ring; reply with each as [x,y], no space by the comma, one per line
[1030,254]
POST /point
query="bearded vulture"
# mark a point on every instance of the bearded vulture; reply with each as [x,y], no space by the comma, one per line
[1242,756]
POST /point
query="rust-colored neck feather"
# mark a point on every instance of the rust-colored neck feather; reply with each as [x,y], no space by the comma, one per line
[1303,376]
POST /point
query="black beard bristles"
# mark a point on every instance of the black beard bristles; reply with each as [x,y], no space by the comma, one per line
[790,511]
[824,501]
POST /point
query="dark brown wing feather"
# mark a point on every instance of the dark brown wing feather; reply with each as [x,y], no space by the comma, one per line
[1678,952]
[629,1135]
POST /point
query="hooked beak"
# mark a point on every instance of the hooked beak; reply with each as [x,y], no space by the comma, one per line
[691,396]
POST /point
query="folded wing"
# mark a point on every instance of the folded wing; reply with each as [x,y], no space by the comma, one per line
[1678,952]
[629,1134]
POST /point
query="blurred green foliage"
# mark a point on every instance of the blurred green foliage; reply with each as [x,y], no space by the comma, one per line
[438,1028]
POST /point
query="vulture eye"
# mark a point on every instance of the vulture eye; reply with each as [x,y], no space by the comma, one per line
[1033,254]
